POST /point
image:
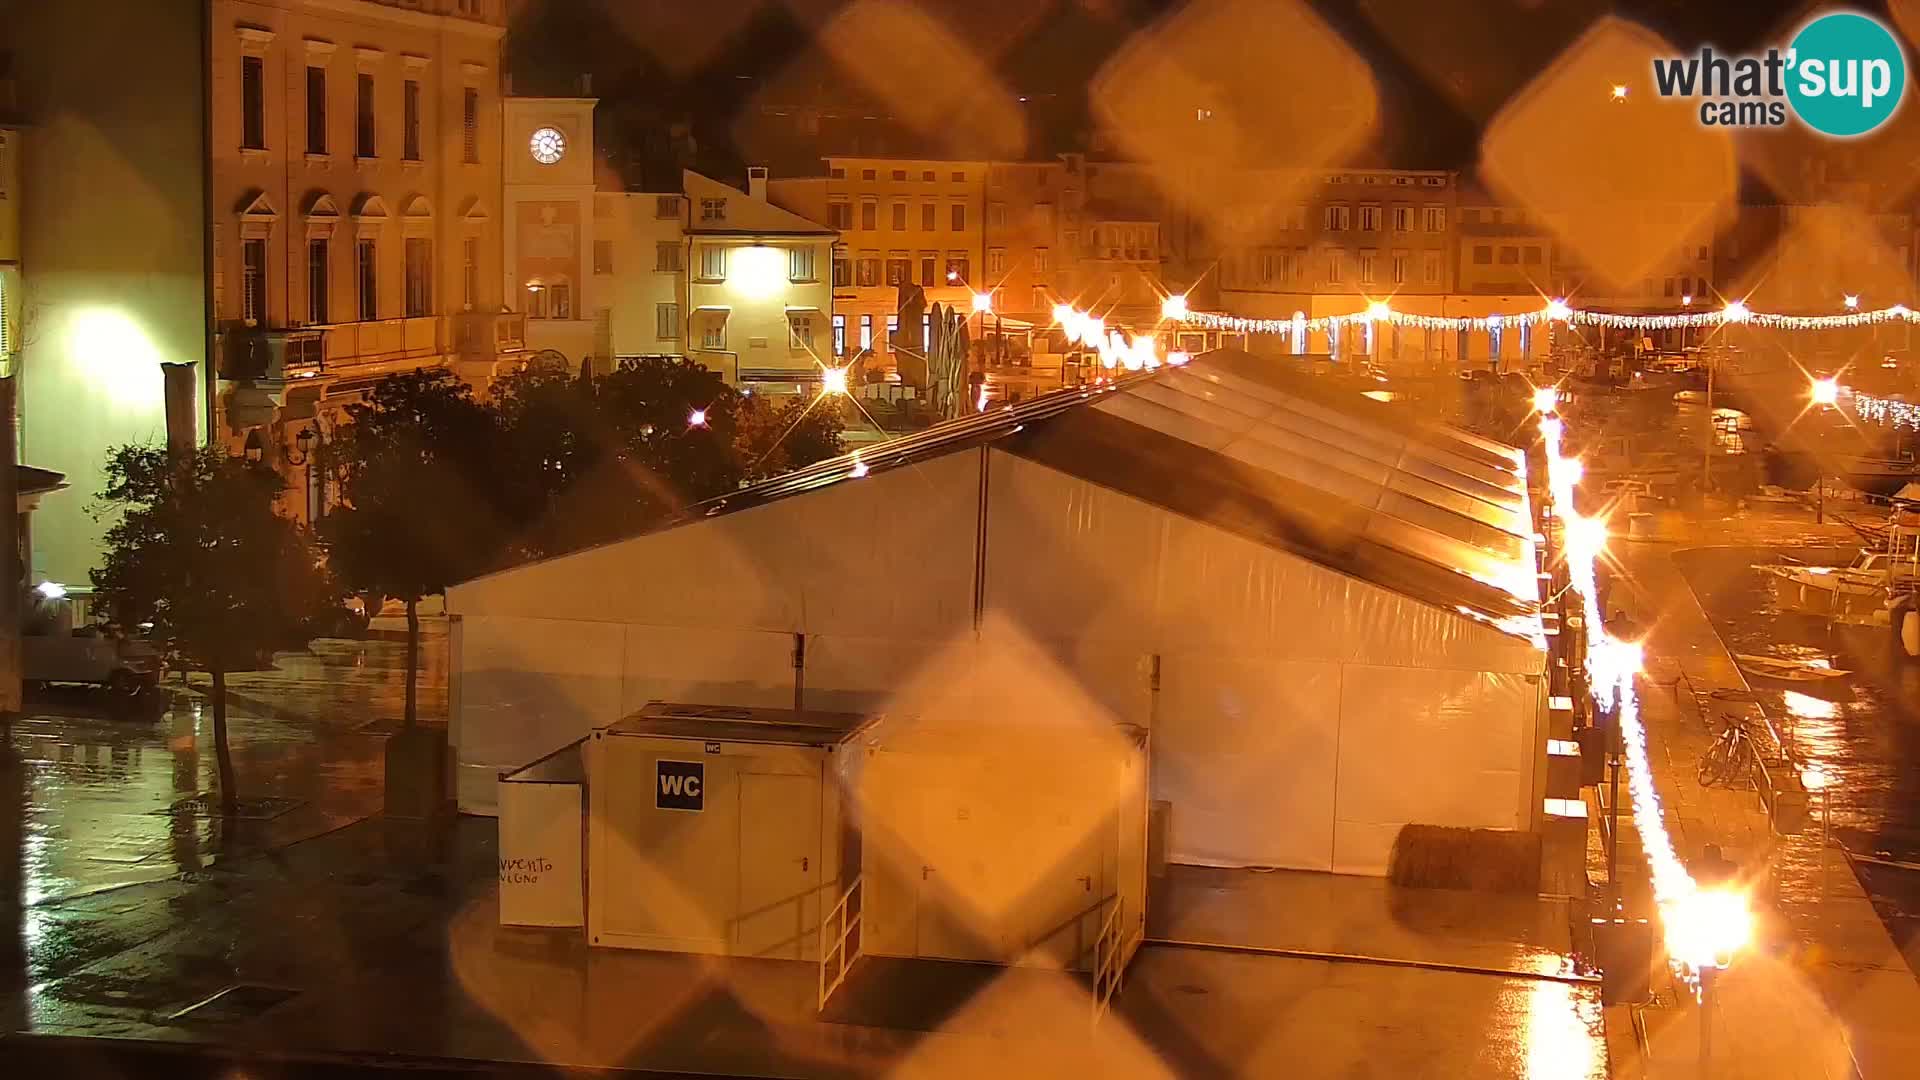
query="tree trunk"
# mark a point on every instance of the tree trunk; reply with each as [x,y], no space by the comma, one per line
[413,657]
[229,796]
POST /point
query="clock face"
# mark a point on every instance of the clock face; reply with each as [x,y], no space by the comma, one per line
[547,145]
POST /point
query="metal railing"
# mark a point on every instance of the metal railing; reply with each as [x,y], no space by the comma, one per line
[840,941]
[1109,959]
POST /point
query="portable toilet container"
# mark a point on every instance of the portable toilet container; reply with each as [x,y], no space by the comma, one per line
[1001,841]
[718,830]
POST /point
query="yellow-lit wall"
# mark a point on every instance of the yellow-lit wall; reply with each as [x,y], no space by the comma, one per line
[634,226]
[9,195]
[112,177]
[757,297]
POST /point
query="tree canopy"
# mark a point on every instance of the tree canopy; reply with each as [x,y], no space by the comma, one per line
[199,552]
[607,456]
[421,506]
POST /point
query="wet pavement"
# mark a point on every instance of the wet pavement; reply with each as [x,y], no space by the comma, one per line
[1823,992]
[113,798]
[315,927]
[383,937]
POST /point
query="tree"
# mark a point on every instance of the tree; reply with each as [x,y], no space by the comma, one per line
[609,456]
[419,506]
[775,440]
[583,460]
[199,553]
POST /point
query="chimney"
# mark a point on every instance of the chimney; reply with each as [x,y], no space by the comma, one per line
[757,181]
[586,85]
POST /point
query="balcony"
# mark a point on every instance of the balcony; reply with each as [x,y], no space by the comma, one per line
[274,357]
[381,341]
[489,335]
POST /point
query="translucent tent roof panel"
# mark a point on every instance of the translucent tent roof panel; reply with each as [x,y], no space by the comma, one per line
[1268,507]
[1451,460]
[1383,478]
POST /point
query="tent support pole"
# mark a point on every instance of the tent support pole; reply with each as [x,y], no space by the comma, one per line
[980,545]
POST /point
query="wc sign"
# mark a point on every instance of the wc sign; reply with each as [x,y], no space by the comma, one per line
[679,785]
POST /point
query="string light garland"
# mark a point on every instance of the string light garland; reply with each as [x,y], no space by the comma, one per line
[1555,311]
[1887,412]
[1703,926]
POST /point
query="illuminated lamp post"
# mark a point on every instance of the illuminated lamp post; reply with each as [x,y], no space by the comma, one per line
[983,306]
[306,445]
[1824,393]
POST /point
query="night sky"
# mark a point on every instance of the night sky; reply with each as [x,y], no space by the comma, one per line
[675,78]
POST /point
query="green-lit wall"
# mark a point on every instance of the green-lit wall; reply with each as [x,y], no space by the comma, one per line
[113,235]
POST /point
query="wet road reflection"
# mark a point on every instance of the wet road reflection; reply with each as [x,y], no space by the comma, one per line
[1863,733]
[115,797]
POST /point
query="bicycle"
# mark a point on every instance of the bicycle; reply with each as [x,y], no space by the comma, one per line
[1730,758]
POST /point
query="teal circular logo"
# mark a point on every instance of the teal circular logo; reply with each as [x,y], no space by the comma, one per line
[1846,74]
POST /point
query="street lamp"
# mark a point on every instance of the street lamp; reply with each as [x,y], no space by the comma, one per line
[303,448]
[1852,301]
[1824,393]
[310,445]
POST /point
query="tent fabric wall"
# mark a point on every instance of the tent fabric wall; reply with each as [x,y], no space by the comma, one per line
[1290,570]
[707,612]
[892,553]
[1304,716]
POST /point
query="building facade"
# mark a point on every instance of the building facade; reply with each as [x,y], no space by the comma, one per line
[356,183]
[901,221]
[640,266]
[551,234]
[104,276]
[1337,242]
[759,286]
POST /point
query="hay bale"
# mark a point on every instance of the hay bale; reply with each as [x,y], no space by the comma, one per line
[1484,860]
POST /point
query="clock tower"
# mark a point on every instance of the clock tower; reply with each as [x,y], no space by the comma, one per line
[548,167]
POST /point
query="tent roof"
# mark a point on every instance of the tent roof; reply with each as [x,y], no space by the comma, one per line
[727,723]
[1285,459]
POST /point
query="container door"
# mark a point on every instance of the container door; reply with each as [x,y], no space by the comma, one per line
[959,915]
[1068,903]
[779,912]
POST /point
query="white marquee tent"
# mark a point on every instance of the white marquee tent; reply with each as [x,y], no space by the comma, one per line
[1323,610]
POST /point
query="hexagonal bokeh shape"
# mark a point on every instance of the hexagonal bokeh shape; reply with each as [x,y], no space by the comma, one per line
[1234,83]
[1622,177]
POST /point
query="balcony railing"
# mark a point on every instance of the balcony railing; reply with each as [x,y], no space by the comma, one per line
[382,341]
[277,355]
